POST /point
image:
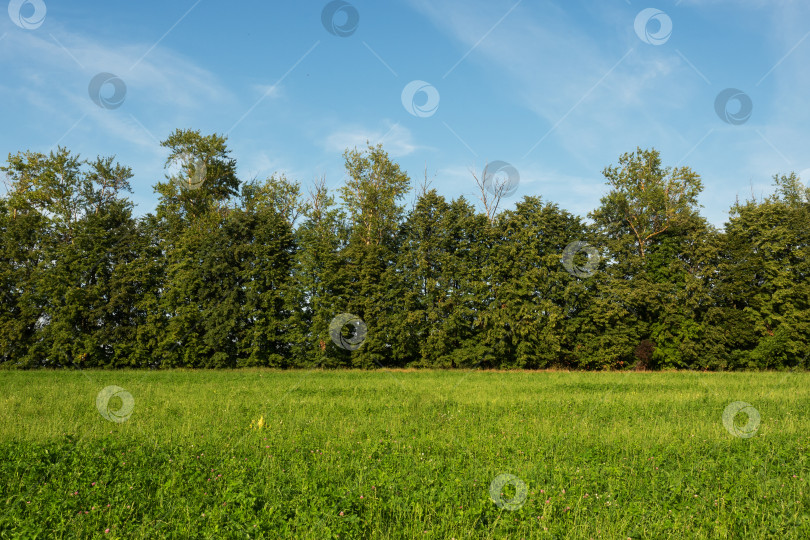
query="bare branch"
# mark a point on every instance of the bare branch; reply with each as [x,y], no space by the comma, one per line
[490,199]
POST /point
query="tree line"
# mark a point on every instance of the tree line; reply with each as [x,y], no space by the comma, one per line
[229,273]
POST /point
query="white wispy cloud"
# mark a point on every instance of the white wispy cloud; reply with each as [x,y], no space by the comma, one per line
[597,97]
[397,140]
[56,68]
[578,86]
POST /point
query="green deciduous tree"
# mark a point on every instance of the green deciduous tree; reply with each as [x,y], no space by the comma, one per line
[526,317]
[371,197]
[649,224]
[202,176]
[320,277]
[763,290]
[226,274]
[85,236]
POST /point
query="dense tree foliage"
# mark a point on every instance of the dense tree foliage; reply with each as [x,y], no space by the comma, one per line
[228,273]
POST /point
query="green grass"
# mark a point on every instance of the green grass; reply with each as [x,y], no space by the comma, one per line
[352,454]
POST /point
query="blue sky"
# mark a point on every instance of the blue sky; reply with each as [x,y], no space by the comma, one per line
[559,89]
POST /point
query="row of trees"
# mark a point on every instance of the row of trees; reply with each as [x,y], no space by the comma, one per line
[228,273]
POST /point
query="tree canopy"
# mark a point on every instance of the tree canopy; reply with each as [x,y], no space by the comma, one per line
[231,273]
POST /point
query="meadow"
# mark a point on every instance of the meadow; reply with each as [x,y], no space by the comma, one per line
[258,453]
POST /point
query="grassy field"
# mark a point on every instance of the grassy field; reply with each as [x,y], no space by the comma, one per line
[390,454]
